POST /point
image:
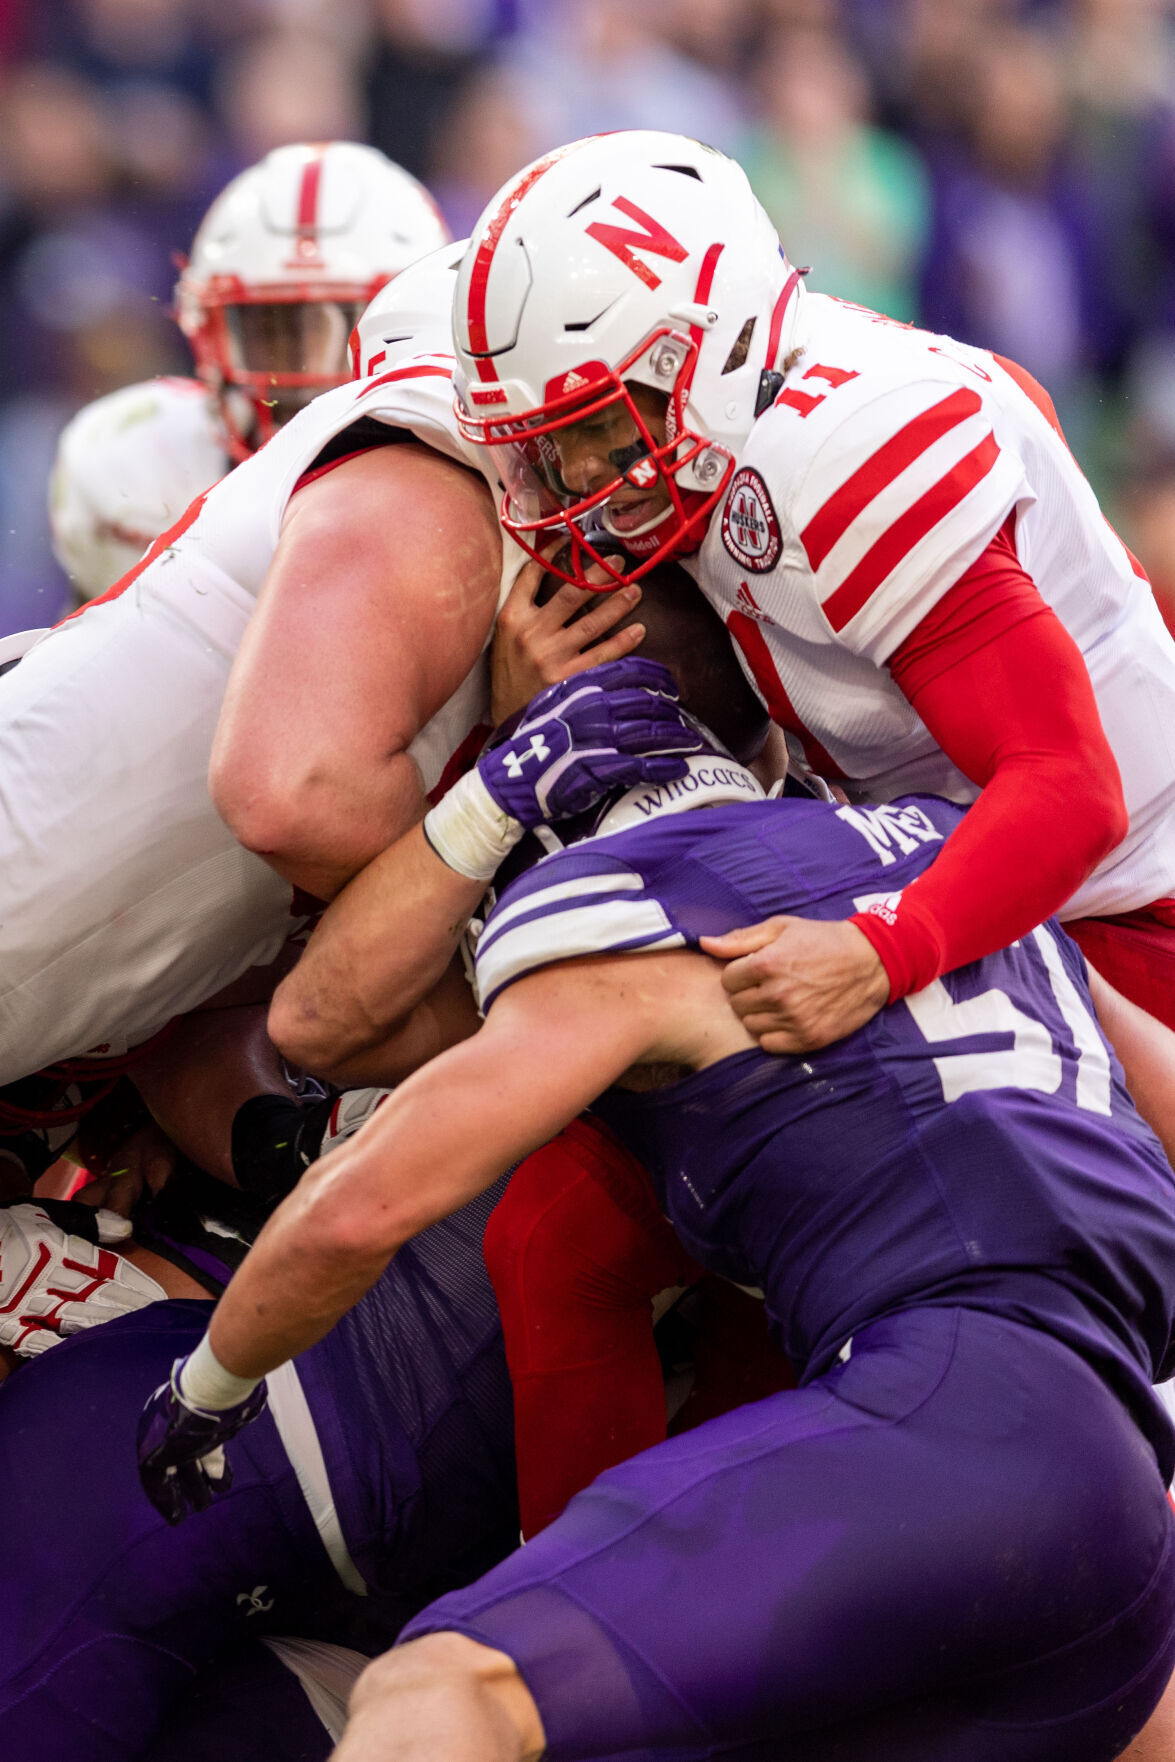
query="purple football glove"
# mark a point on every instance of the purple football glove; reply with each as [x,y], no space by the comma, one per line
[610,728]
[182,1464]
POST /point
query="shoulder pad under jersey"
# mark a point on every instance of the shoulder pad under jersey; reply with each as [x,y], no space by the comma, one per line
[578,901]
[126,468]
[887,466]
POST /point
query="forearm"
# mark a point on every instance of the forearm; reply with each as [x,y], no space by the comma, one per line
[288,1294]
[443,1019]
[552,1044]
[380,949]
[1012,862]
[1017,715]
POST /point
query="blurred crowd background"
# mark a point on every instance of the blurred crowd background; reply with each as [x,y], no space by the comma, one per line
[1000,169]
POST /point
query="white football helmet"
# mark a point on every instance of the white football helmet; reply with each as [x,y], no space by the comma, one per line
[284,262]
[411,315]
[626,261]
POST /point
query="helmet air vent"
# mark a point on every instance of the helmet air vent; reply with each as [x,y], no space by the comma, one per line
[740,348]
[684,170]
[594,197]
[586,323]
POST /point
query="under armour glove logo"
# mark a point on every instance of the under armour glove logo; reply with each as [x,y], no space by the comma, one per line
[538,749]
[607,729]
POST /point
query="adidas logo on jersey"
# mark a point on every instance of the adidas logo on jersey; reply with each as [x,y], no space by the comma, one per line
[745,600]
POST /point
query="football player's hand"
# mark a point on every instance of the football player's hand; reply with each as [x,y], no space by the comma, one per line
[798,984]
[612,728]
[536,645]
[606,730]
[54,1282]
[182,1463]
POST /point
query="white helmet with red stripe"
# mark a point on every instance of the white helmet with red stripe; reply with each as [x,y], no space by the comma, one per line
[284,262]
[412,315]
[621,309]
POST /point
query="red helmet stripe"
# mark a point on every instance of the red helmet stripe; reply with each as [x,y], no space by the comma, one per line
[479,280]
[308,196]
[705,283]
[781,305]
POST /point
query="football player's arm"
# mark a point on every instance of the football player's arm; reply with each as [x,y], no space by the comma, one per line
[375,608]
[551,1044]
[388,937]
[1005,691]
[353,1008]
[1146,1052]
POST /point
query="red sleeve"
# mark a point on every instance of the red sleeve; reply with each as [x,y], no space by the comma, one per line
[1003,689]
[576,1250]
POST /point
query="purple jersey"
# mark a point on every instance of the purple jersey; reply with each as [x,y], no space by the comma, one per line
[974,1144]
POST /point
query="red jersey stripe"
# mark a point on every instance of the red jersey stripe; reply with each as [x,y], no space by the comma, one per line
[833,520]
[116,588]
[397,373]
[750,639]
[898,540]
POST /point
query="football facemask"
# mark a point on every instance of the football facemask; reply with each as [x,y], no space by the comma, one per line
[666,479]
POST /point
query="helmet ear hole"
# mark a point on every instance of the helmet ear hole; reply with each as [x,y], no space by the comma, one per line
[740,348]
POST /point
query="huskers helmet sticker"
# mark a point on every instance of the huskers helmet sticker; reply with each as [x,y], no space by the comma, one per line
[750,530]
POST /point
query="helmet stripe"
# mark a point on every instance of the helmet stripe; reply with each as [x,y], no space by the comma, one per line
[479,279]
[308,197]
[705,283]
[781,306]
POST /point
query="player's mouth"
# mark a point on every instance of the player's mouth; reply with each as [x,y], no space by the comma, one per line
[626,513]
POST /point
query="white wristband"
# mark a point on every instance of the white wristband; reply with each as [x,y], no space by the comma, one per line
[469,831]
[205,1384]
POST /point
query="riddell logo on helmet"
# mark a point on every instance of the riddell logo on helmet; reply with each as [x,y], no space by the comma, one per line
[750,528]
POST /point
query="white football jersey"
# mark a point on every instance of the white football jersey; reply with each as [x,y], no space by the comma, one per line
[126,899]
[887,463]
[126,468]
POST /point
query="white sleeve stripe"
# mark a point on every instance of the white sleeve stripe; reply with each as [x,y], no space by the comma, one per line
[545,897]
[607,927]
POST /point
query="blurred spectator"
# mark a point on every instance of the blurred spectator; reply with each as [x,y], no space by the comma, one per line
[286,86]
[1012,263]
[82,286]
[1147,517]
[850,199]
[1043,129]
[1121,56]
[489,135]
[596,65]
[427,54]
[121,42]
[716,34]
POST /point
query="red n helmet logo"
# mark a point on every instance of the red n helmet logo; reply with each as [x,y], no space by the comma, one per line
[621,240]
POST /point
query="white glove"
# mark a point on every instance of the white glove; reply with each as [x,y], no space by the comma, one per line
[52,1283]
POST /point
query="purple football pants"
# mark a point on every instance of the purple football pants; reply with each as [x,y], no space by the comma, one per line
[107,1615]
[953,1547]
